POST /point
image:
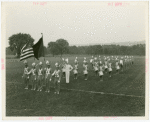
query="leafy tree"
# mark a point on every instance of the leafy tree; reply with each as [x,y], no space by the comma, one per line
[53,48]
[17,41]
[73,50]
[62,46]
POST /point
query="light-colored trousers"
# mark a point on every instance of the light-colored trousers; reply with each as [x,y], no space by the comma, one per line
[67,76]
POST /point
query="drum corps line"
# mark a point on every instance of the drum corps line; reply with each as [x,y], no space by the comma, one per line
[37,75]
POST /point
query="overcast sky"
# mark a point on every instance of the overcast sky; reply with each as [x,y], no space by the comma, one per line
[83,23]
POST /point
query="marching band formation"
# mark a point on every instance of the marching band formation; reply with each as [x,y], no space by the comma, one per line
[100,67]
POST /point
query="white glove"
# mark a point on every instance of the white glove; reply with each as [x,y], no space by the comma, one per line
[50,79]
[59,81]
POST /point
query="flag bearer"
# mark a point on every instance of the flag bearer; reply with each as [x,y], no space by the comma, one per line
[40,77]
[57,78]
[48,72]
[68,68]
[26,75]
[33,73]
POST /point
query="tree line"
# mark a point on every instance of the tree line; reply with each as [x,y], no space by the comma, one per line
[61,46]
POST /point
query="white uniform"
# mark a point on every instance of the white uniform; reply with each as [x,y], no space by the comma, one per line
[47,72]
[106,65]
[68,68]
[96,66]
[100,62]
[109,67]
[121,62]
[85,69]
[76,61]
[26,73]
[91,61]
[100,71]
[75,69]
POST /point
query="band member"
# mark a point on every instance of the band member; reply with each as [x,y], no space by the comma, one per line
[76,61]
[48,72]
[33,73]
[26,75]
[128,61]
[99,58]
[109,69]
[68,68]
[121,63]
[112,58]
[125,63]
[132,60]
[40,77]
[85,70]
[57,78]
[101,72]
[100,62]
[96,66]
[63,68]
[105,64]
[92,61]
[75,70]
[117,66]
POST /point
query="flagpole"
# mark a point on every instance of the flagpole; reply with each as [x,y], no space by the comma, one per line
[43,46]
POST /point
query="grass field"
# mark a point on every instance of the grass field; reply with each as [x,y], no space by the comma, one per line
[121,95]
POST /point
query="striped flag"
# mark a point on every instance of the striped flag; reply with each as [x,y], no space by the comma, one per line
[26,52]
[37,50]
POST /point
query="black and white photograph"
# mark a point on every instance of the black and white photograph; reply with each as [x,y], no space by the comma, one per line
[75,59]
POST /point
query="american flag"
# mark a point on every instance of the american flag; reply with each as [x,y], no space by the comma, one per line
[26,52]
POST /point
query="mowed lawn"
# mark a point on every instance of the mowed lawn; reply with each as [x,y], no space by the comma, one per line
[74,98]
